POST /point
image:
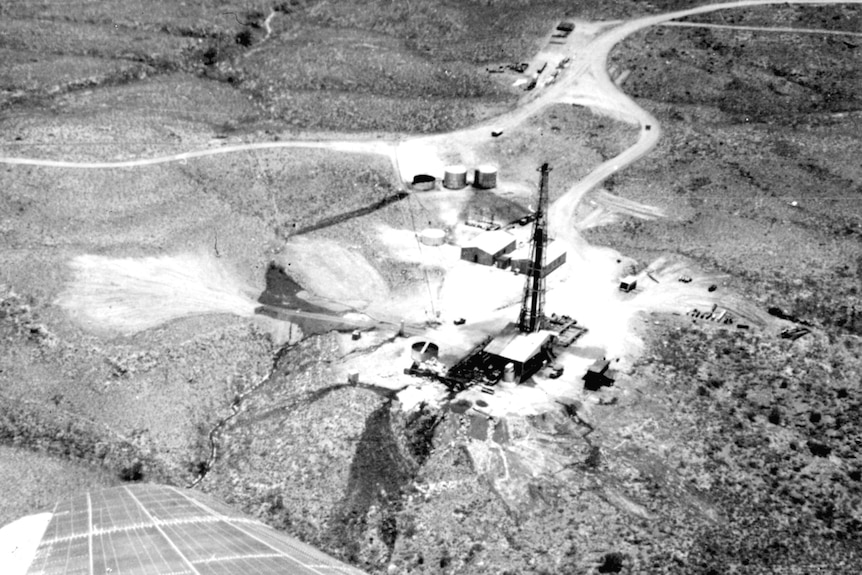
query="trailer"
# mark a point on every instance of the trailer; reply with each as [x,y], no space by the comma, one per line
[598,375]
[628,283]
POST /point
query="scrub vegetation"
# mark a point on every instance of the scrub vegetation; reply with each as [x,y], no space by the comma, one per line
[756,166]
[719,450]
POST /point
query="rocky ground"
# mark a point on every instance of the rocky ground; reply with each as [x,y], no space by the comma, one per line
[720,451]
[37,481]
[755,168]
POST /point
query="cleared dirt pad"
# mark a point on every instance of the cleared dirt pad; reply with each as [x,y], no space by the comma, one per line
[332,272]
[128,295]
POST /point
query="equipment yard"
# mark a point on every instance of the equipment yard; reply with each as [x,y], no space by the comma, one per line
[435,288]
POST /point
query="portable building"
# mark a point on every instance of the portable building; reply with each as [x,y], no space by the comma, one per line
[555,257]
[628,283]
[487,247]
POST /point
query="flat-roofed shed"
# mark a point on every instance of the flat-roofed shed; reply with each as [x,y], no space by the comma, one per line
[527,351]
[554,258]
[487,247]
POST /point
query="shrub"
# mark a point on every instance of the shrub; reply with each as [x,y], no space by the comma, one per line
[612,563]
[135,472]
[594,459]
[244,38]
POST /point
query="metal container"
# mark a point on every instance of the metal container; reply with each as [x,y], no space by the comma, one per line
[485,177]
[455,177]
[424,350]
[509,372]
[424,182]
[432,237]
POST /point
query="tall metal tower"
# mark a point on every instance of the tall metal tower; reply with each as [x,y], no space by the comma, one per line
[533,305]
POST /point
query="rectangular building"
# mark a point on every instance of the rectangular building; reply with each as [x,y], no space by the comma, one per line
[554,258]
[628,283]
[488,247]
[528,352]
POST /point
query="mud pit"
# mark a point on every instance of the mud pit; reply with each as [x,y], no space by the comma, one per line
[283,291]
[128,295]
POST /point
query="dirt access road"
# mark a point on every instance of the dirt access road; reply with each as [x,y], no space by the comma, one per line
[777,29]
[585,82]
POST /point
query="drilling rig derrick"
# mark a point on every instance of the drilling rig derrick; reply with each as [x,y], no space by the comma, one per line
[532,316]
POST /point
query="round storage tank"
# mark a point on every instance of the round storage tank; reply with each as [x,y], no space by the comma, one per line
[424,182]
[455,177]
[509,372]
[432,237]
[424,350]
[486,177]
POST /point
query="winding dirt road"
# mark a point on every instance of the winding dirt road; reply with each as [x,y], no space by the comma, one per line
[777,29]
[585,82]
[348,146]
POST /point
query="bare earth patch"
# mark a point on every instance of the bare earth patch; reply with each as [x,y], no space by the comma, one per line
[129,295]
[332,273]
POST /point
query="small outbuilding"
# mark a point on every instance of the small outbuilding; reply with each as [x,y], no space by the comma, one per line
[554,258]
[488,247]
[598,375]
[628,283]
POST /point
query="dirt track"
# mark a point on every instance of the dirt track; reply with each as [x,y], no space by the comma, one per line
[777,29]
[586,82]
[130,296]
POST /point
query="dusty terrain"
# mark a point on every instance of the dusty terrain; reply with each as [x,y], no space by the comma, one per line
[37,480]
[131,350]
[131,295]
[768,158]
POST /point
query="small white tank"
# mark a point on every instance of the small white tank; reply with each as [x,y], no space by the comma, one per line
[485,177]
[422,351]
[432,237]
[424,182]
[509,372]
[455,177]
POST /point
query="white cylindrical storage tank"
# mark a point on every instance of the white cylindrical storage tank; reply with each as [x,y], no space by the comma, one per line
[486,177]
[422,351]
[424,182]
[455,177]
[509,372]
[432,237]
